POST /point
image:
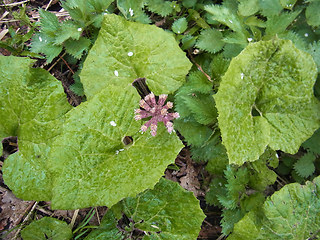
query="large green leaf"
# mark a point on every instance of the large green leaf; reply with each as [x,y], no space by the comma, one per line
[93,166]
[32,105]
[291,213]
[125,51]
[266,98]
[166,212]
[47,228]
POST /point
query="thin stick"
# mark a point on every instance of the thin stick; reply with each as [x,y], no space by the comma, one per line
[74,217]
[67,64]
[199,67]
[48,5]
[98,215]
[14,4]
[49,69]
[26,219]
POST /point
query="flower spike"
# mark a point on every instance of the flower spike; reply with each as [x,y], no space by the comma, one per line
[158,111]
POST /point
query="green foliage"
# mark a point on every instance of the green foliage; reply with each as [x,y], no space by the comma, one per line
[47,228]
[159,213]
[33,105]
[255,112]
[210,40]
[180,25]
[102,163]
[291,213]
[128,56]
[242,188]
[312,12]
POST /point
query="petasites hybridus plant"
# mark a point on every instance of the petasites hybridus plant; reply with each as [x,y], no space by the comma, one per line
[85,161]
[291,213]
[166,212]
[266,98]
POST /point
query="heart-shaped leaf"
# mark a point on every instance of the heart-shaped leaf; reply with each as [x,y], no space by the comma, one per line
[33,105]
[166,212]
[125,51]
[266,98]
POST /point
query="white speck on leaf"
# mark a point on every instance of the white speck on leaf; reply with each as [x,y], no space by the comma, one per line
[117,152]
[113,123]
[306,34]
[116,73]
[79,29]
[131,12]
[40,39]
[178,31]
[230,21]
[249,39]
[120,150]
[130,54]
[242,75]
[154,226]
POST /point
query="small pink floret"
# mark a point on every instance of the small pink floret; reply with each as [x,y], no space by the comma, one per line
[158,111]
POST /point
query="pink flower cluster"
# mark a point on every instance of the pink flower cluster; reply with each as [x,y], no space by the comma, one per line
[158,111]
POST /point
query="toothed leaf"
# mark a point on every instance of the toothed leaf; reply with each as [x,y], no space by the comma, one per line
[210,40]
[180,25]
[304,167]
[161,7]
[77,47]
[248,7]
[278,24]
[312,13]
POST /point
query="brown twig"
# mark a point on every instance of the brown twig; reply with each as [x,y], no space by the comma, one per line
[199,67]
[52,66]
[66,64]
[26,219]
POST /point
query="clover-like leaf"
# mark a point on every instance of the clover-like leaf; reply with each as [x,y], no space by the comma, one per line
[102,157]
[291,213]
[125,51]
[266,98]
[32,104]
[166,212]
[47,228]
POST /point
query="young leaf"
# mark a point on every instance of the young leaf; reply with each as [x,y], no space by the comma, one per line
[248,7]
[121,54]
[47,228]
[161,7]
[159,213]
[278,24]
[264,97]
[68,29]
[291,213]
[313,143]
[270,8]
[102,161]
[32,105]
[288,4]
[180,25]
[76,47]
[210,40]
[312,13]
[304,167]
[42,43]
[49,23]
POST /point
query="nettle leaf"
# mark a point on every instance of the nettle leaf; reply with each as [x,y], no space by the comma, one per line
[47,228]
[291,213]
[166,212]
[99,167]
[68,29]
[125,51]
[288,4]
[160,7]
[270,8]
[266,98]
[278,24]
[210,40]
[42,43]
[32,105]
[304,167]
[314,50]
[133,10]
[248,7]
[180,25]
[76,47]
[313,143]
